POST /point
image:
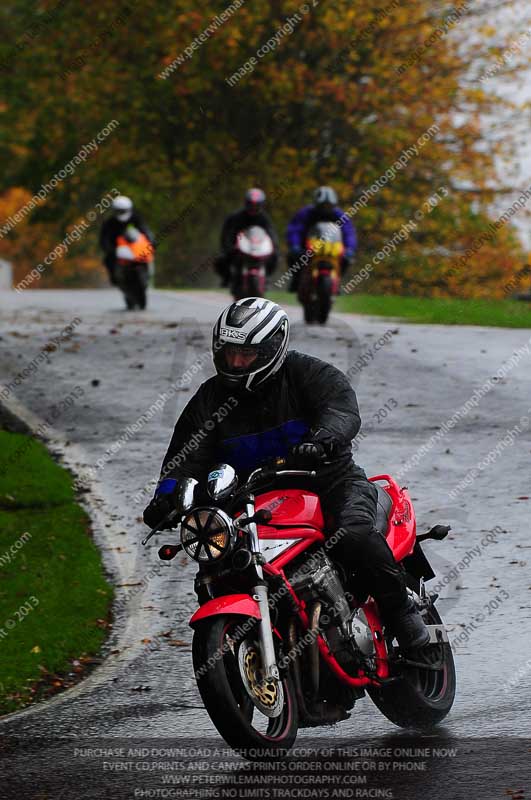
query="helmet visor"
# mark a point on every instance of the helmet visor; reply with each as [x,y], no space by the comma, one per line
[240,360]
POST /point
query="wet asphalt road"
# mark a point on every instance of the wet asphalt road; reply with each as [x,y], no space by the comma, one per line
[144,691]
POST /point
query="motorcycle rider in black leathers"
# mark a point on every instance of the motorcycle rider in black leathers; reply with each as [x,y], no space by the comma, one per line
[252,213]
[124,214]
[288,404]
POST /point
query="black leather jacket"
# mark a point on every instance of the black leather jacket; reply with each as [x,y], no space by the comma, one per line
[242,219]
[307,399]
[112,228]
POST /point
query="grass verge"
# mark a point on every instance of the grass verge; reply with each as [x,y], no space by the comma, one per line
[54,598]
[431,310]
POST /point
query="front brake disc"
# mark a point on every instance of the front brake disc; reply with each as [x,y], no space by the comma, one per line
[267,695]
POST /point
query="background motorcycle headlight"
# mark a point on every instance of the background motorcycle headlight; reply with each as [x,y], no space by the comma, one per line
[207,534]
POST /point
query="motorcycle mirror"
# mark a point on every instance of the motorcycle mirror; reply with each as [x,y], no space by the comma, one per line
[184,494]
[221,482]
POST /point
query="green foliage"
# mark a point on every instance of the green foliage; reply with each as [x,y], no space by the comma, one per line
[337,101]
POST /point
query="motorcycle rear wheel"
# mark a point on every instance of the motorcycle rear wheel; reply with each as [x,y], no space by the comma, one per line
[421,698]
[221,683]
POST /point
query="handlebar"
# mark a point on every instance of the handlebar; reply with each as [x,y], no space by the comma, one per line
[157,529]
[273,473]
[309,473]
[264,471]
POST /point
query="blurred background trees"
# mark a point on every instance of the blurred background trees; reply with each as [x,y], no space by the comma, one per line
[338,100]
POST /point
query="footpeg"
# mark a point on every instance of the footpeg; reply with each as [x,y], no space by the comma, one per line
[438,532]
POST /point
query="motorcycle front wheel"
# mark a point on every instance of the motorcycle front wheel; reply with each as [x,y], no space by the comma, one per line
[257,718]
[324,294]
[254,288]
[422,697]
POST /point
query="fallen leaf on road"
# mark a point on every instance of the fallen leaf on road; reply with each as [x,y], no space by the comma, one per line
[178,643]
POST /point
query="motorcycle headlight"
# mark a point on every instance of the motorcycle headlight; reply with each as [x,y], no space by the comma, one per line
[207,534]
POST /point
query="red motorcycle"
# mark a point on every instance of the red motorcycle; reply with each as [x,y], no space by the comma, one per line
[253,249]
[283,637]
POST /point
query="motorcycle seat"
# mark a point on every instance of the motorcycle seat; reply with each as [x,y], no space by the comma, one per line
[383,510]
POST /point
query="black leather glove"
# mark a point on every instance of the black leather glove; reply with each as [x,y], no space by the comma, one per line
[310,453]
[159,508]
[326,440]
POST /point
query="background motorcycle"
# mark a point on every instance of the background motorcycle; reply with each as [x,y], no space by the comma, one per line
[252,251]
[134,266]
[320,278]
[283,637]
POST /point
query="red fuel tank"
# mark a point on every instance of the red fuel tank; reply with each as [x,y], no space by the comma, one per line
[292,507]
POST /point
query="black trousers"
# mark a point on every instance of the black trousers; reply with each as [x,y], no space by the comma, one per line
[110,263]
[350,506]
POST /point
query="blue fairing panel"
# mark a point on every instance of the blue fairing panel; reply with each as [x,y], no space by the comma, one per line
[248,451]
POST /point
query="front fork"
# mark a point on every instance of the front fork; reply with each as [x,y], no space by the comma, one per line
[260,594]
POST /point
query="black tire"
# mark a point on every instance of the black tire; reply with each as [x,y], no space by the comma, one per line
[310,314]
[421,698]
[226,699]
[253,286]
[324,292]
[141,297]
[325,307]
[237,289]
[129,298]
[139,286]
[129,289]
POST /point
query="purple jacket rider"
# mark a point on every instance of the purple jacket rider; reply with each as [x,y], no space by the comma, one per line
[308,216]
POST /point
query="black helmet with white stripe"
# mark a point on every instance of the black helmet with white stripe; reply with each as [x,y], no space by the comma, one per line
[249,342]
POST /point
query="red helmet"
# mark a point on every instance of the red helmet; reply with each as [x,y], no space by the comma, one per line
[254,200]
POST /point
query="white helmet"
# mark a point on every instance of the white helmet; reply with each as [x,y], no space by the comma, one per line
[253,326]
[325,194]
[123,208]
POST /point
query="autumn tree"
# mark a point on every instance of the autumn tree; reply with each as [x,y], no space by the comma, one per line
[280,94]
